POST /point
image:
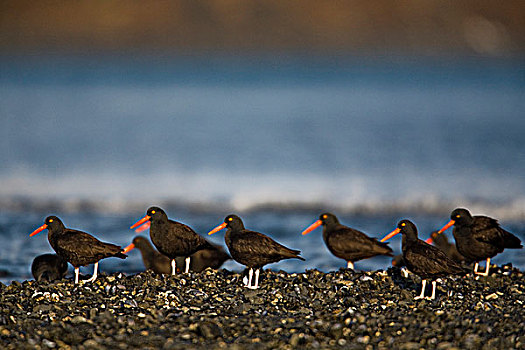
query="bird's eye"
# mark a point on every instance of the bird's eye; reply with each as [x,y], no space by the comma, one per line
[325,216]
[458,216]
[230,219]
[403,224]
[153,211]
[50,220]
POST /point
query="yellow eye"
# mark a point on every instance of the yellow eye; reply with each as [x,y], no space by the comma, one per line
[230,219]
[403,224]
[458,216]
[325,216]
[153,211]
[50,220]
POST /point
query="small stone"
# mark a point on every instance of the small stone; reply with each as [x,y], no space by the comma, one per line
[49,343]
[410,346]
[363,340]
[90,343]
[492,296]
[209,330]
[78,319]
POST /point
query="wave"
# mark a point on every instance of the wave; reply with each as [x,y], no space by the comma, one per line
[216,192]
[513,210]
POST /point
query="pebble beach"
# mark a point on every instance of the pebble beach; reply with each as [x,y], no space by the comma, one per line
[213,309]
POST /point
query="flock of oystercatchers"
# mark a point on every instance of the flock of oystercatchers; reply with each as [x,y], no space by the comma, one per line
[477,238]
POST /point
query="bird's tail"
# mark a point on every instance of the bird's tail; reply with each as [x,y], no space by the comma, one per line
[295,254]
[120,255]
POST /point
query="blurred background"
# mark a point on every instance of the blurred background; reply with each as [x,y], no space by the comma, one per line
[276,110]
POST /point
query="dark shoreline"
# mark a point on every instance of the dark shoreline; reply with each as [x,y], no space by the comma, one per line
[312,310]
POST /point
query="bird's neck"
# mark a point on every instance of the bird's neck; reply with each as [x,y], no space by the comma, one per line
[408,239]
[159,222]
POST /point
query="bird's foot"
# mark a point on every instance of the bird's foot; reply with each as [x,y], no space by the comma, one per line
[92,279]
[430,298]
[419,297]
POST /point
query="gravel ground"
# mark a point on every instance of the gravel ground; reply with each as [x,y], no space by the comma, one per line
[212,309]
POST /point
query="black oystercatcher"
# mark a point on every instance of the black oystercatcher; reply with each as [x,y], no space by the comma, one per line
[48,267]
[441,241]
[201,260]
[479,237]
[152,259]
[159,263]
[421,258]
[252,249]
[77,247]
[348,243]
[209,257]
[172,238]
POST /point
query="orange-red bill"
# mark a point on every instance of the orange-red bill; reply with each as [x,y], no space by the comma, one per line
[141,221]
[391,234]
[450,223]
[312,227]
[144,227]
[41,228]
[128,248]
[217,229]
[429,240]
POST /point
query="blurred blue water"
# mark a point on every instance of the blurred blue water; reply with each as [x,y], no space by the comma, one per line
[376,140]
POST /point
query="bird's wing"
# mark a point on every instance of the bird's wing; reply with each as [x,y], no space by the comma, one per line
[259,244]
[348,240]
[81,243]
[428,258]
[190,234]
[181,226]
[487,230]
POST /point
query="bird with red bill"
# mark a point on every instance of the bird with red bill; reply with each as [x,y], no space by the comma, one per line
[422,259]
[252,249]
[479,237]
[441,241]
[77,247]
[171,238]
[161,264]
[347,243]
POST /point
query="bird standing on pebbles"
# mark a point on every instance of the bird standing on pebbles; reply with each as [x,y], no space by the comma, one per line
[422,259]
[441,241]
[172,238]
[77,247]
[161,264]
[252,249]
[348,243]
[479,237]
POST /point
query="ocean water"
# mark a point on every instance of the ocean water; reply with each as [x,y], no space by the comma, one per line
[275,139]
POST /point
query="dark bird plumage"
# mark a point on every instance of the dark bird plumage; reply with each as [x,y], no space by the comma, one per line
[253,249]
[398,261]
[77,247]
[209,257]
[480,237]
[161,264]
[48,267]
[348,243]
[423,259]
[172,238]
[441,241]
[152,259]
